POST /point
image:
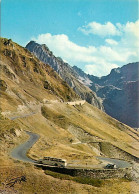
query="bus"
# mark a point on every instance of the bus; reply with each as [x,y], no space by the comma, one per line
[53,162]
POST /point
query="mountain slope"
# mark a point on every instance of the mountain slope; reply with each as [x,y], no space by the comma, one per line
[20,67]
[65,71]
[34,98]
[119,91]
[30,88]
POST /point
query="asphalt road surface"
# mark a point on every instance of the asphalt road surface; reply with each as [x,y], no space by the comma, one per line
[119,163]
[20,152]
[22,116]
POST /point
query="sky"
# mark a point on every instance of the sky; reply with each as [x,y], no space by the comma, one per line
[95,35]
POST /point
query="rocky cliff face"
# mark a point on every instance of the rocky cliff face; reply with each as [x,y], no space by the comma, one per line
[119,91]
[67,73]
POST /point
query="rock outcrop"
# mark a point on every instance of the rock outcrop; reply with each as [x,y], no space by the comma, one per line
[67,73]
[119,91]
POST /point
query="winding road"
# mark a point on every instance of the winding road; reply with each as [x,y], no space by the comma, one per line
[20,153]
[22,116]
[119,163]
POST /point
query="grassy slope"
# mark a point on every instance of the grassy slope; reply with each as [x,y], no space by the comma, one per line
[28,79]
[22,92]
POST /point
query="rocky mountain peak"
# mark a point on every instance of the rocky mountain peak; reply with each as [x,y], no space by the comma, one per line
[119,91]
[67,73]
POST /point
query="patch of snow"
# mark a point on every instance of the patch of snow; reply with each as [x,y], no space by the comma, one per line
[131,81]
[117,70]
[86,81]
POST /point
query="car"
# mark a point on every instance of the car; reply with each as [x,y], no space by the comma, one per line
[110,166]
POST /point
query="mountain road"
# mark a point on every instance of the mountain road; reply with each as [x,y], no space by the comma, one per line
[20,153]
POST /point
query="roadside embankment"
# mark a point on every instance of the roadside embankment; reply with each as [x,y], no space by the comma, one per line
[92,173]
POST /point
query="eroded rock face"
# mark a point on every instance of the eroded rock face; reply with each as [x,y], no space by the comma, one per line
[119,91]
[3,85]
[67,73]
[15,132]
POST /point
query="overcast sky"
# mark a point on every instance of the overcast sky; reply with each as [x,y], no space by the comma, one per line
[95,35]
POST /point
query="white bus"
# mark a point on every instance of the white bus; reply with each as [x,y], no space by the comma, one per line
[52,161]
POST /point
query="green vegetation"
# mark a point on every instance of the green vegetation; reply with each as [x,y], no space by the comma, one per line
[55,116]
[89,181]
[82,180]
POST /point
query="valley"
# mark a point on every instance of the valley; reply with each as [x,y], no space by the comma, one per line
[34,98]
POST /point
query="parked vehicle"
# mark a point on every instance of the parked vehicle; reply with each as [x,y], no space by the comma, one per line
[52,161]
[110,166]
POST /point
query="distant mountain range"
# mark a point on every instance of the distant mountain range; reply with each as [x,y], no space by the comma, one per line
[117,93]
